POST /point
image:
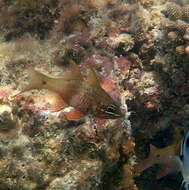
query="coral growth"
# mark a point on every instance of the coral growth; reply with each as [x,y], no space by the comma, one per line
[139,51]
[20,17]
[175,11]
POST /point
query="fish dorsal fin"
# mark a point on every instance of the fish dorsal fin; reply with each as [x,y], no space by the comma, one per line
[72,72]
[92,78]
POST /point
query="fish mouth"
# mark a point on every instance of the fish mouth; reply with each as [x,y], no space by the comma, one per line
[116,115]
[111,116]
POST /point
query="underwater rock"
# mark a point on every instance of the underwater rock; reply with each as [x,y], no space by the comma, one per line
[34,16]
[178,25]
[9,124]
[172,35]
[180,50]
[139,50]
[175,11]
[124,40]
[86,175]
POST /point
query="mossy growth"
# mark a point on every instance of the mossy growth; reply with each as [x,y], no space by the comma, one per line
[62,58]
[6,123]
[111,177]
[24,16]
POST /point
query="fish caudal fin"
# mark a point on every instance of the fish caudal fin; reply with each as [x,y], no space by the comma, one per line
[37,80]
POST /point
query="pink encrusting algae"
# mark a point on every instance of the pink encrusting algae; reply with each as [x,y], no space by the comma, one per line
[112,120]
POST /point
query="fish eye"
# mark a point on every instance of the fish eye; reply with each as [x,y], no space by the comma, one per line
[110,109]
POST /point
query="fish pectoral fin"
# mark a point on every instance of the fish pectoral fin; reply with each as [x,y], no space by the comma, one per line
[56,102]
[74,115]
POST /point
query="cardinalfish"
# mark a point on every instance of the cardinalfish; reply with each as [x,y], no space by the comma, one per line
[167,158]
[86,96]
[169,161]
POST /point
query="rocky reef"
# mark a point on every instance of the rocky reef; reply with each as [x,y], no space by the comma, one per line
[139,50]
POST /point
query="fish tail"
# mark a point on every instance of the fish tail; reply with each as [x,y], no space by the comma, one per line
[37,80]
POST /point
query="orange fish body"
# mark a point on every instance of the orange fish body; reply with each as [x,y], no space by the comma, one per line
[86,96]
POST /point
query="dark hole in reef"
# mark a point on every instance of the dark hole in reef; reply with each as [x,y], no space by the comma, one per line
[111,177]
[181,157]
[23,177]
[70,54]
[187,142]
[119,51]
[163,137]
[187,99]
